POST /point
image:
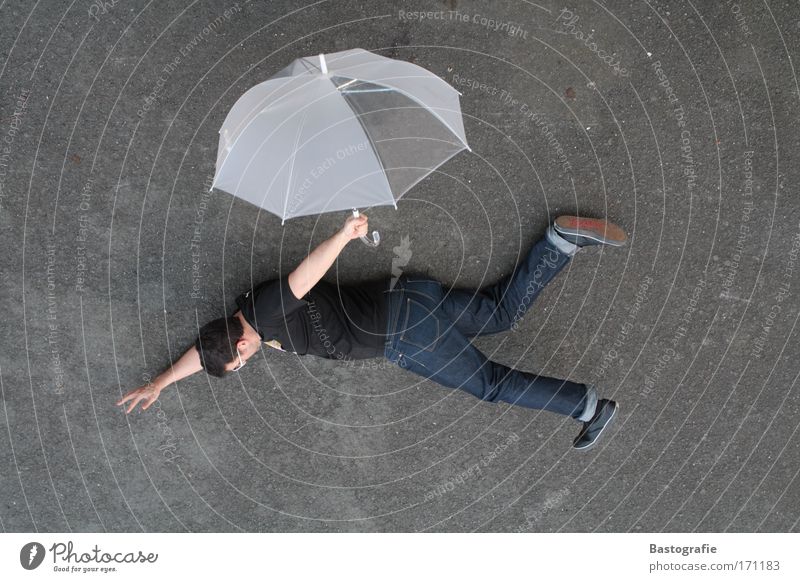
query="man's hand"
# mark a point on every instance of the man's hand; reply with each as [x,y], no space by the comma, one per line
[147,394]
[355,227]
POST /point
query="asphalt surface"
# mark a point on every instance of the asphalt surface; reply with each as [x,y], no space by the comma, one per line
[677,121]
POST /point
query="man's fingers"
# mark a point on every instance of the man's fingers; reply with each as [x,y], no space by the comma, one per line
[127,397]
[137,396]
[134,403]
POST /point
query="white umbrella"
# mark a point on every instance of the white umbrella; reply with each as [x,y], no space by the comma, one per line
[338,131]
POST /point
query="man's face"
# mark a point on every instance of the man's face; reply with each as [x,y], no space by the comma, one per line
[245,350]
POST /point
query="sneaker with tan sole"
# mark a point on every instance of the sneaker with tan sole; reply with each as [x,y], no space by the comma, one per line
[589,231]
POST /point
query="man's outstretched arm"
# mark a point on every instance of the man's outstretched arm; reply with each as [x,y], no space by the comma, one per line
[316,264]
[187,364]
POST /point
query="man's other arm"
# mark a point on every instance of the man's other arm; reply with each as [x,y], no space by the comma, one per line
[187,364]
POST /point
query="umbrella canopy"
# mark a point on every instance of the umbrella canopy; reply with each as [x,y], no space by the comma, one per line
[337,131]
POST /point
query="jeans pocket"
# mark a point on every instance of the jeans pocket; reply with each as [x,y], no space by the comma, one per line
[429,289]
[420,326]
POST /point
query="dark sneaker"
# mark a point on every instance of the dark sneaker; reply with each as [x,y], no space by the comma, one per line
[591,431]
[589,231]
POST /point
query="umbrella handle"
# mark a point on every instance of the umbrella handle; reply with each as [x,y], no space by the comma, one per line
[376,237]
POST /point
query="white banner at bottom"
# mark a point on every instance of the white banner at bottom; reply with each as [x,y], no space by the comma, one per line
[377,557]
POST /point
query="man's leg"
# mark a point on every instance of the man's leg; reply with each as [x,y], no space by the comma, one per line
[501,306]
[427,343]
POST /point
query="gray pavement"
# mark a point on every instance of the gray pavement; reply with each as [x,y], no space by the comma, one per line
[678,121]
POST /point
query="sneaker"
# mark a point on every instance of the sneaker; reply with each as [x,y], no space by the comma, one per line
[591,431]
[589,231]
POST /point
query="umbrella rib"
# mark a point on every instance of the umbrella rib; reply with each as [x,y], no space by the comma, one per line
[372,142]
[375,152]
[385,90]
[432,111]
[364,129]
[429,171]
[291,168]
[309,68]
[350,82]
[218,171]
[415,100]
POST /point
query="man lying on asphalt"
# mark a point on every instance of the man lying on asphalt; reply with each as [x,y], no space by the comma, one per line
[416,324]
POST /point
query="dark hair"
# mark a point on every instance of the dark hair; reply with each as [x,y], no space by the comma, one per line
[216,344]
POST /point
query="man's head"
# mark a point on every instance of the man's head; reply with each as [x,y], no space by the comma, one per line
[225,343]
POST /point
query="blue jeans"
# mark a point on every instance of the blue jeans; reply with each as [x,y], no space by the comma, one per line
[429,328]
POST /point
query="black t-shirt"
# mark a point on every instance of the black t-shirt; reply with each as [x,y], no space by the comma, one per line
[331,321]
